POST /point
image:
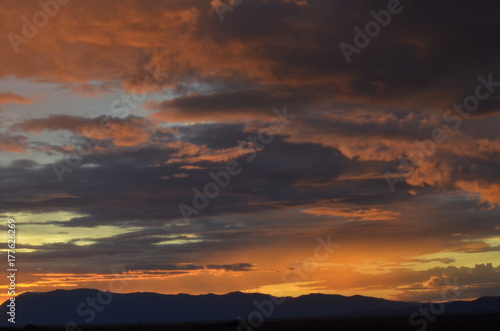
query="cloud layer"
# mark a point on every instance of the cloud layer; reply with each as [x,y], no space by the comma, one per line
[115,113]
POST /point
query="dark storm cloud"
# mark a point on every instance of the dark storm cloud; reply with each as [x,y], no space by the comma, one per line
[458,41]
[224,102]
[127,186]
[232,267]
[281,43]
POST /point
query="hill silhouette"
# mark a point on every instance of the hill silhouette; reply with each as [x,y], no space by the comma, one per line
[89,306]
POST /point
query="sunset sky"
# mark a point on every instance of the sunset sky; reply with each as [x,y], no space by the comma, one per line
[116,115]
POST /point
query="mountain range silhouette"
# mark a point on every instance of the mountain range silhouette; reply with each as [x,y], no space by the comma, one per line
[89,306]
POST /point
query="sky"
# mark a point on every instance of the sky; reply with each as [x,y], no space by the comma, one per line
[277,146]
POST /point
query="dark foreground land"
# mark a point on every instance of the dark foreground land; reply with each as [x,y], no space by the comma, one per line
[444,322]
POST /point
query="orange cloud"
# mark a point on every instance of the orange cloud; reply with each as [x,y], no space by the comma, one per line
[95,41]
[13,144]
[7,97]
[368,214]
[489,192]
[131,131]
[192,153]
